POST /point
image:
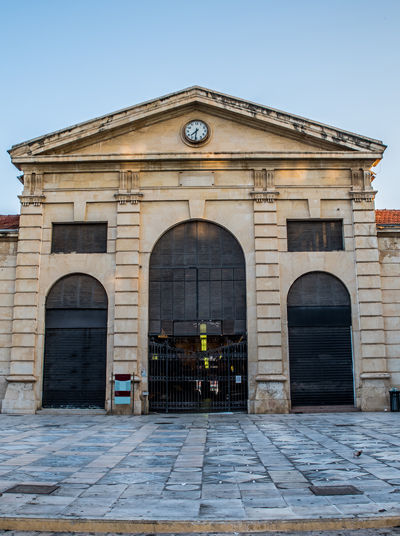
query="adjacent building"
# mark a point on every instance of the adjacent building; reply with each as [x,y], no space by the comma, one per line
[199,252]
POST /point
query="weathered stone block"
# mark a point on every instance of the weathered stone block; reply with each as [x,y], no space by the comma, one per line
[264,217]
[25,312]
[126,298]
[372,337]
[268,311]
[125,311]
[271,397]
[367,255]
[267,283]
[366,242]
[128,231]
[267,270]
[270,353]
[371,322]
[26,285]
[125,326]
[268,297]
[265,231]
[125,339]
[125,284]
[127,244]
[128,218]
[369,281]
[270,367]
[269,325]
[370,295]
[124,257]
[266,244]
[269,339]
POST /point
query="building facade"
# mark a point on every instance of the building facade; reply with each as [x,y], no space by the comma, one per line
[199,252]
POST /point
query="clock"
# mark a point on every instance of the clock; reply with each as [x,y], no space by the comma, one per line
[196,131]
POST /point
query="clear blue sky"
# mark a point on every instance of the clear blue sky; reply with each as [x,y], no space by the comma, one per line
[334,61]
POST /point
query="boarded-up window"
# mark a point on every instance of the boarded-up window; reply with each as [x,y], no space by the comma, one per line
[315,235]
[79,238]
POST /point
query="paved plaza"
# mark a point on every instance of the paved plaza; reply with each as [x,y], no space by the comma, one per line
[200,467]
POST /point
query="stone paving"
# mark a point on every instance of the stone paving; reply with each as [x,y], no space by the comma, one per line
[395,531]
[201,467]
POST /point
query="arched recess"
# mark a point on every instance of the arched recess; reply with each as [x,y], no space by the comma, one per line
[320,349]
[74,372]
[197,316]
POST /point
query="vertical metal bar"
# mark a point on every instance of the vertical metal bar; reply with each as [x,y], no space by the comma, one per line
[166,380]
[229,380]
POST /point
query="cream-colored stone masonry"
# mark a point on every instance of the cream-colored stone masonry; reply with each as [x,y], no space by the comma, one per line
[8,258]
[389,256]
[259,168]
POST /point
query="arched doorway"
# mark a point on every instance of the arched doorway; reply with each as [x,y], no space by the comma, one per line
[320,350]
[197,320]
[74,373]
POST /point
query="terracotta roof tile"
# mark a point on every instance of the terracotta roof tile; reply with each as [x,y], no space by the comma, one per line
[11,221]
[387,217]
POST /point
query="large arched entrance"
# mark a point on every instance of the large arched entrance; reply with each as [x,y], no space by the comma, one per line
[320,350]
[74,372]
[197,321]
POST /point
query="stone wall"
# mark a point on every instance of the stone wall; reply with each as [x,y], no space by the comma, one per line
[389,256]
[8,257]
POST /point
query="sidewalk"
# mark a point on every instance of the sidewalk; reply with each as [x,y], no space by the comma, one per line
[160,472]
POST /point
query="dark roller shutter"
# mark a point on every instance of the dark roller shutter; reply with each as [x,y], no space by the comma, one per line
[320,366]
[75,369]
[74,372]
[320,350]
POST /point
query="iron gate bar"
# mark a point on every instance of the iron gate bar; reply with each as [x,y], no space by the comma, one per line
[212,380]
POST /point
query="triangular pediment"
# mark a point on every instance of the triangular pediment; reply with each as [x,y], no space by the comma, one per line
[154,127]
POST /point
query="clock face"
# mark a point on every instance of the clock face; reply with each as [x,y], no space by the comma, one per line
[196,131]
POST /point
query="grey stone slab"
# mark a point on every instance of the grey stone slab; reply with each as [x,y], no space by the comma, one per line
[138,467]
[221,509]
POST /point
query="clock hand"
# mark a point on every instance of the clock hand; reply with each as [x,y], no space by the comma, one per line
[195,133]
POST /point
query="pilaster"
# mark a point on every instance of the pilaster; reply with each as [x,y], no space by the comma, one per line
[127,282]
[374,375]
[20,397]
[270,396]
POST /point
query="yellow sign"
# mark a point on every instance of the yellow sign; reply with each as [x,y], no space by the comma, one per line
[203,328]
[206,363]
[203,340]
[154,357]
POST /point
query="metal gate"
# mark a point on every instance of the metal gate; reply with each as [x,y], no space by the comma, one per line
[208,381]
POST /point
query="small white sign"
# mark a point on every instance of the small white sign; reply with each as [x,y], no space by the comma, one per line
[238,379]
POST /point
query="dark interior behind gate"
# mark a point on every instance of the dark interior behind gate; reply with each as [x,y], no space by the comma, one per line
[197,321]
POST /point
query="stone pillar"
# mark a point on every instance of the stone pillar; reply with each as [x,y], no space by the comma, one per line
[270,382]
[372,367]
[20,397]
[127,283]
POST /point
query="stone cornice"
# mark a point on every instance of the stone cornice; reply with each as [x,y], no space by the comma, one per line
[198,156]
[198,96]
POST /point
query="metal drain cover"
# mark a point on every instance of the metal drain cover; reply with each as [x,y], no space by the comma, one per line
[165,422]
[34,489]
[335,490]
